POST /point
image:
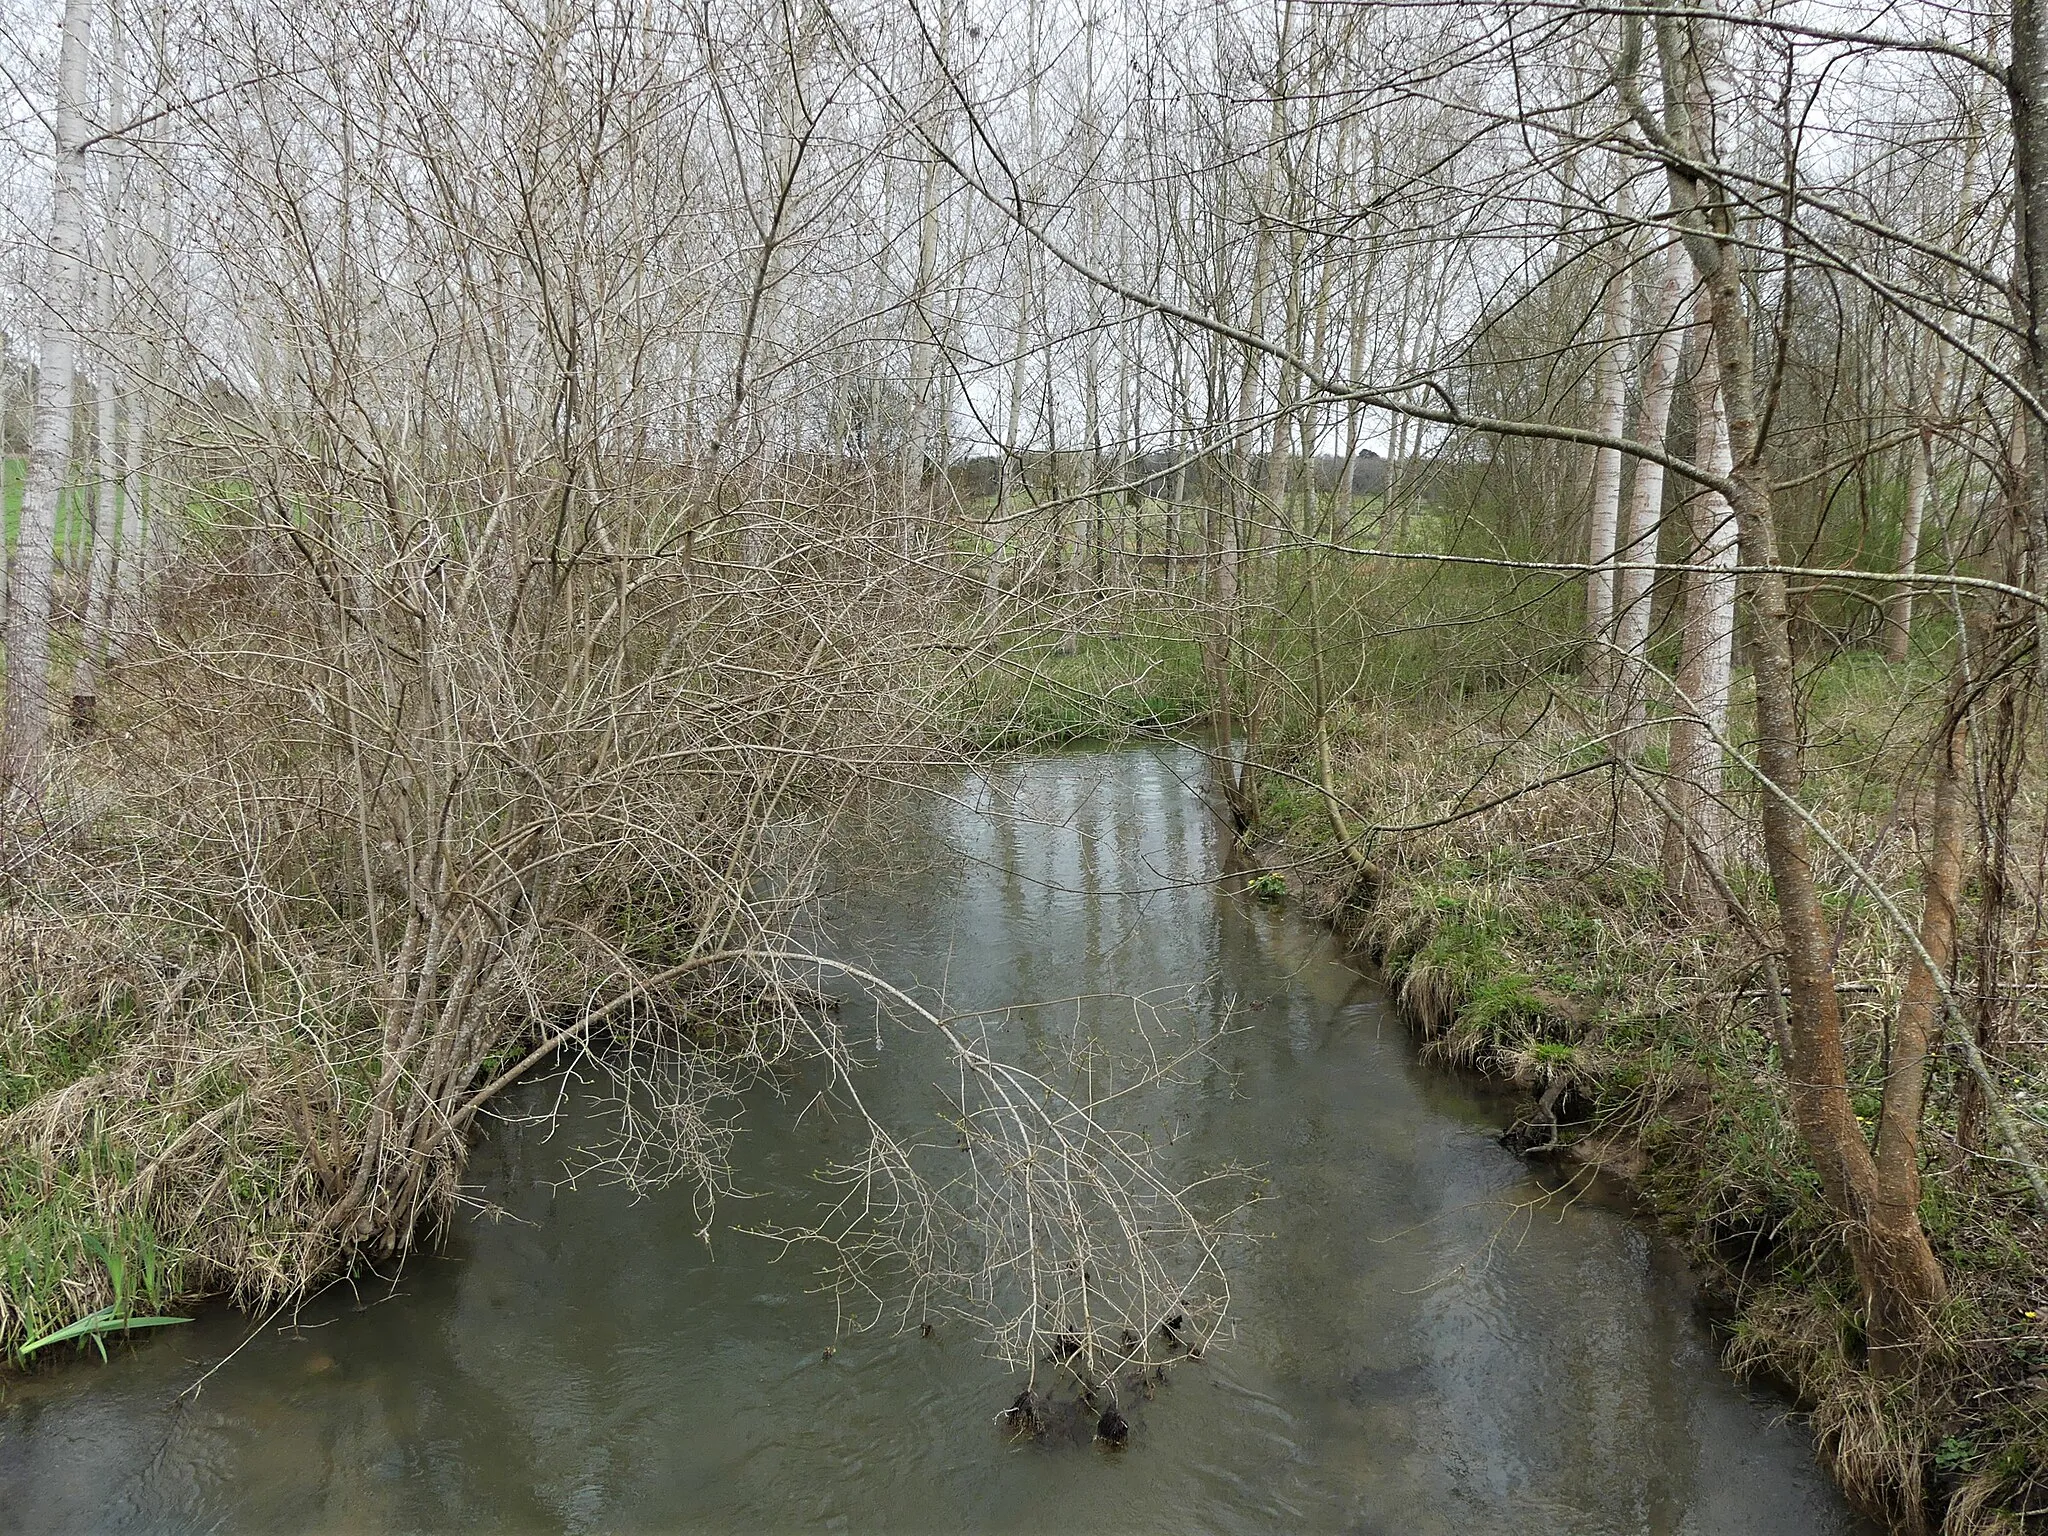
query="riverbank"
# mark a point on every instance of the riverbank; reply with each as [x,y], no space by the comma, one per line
[280,931]
[1512,900]
[1535,943]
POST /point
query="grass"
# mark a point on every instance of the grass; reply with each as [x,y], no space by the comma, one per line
[1142,679]
[150,1134]
[200,510]
[74,507]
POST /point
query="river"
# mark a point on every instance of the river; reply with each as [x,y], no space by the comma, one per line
[1424,1339]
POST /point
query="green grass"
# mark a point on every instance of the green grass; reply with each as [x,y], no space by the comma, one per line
[74,507]
[1108,689]
[201,511]
[50,1046]
[55,1229]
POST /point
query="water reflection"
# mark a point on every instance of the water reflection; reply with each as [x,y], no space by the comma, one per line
[1424,1344]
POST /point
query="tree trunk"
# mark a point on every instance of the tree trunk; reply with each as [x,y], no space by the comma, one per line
[1898,612]
[1706,659]
[97,587]
[1630,704]
[32,608]
[923,363]
[1609,416]
[96,600]
[131,571]
[1896,1328]
[924,358]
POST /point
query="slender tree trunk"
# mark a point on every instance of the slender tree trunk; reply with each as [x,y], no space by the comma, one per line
[1279,477]
[1020,346]
[1235,512]
[1895,1216]
[1932,397]
[96,600]
[138,535]
[1013,448]
[1092,528]
[924,359]
[131,572]
[1630,705]
[97,587]
[1898,612]
[2006,710]
[32,609]
[1706,658]
[1610,414]
[1178,494]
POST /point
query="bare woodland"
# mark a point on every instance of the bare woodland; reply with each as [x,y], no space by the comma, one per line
[501,485]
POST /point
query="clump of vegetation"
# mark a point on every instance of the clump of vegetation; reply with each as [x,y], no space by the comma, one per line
[319,888]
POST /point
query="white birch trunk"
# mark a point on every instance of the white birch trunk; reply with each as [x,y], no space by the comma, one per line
[1898,610]
[1707,659]
[138,533]
[95,606]
[924,360]
[124,607]
[1646,504]
[1090,534]
[98,584]
[1898,613]
[1013,426]
[32,608]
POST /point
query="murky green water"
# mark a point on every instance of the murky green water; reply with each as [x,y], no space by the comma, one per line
[1423,1344]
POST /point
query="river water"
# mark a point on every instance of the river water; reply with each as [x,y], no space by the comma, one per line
[1424,1341]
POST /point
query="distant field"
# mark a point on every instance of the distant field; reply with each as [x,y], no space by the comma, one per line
[70,508]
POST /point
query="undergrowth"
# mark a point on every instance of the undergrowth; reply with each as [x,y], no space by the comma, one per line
[1046,690]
